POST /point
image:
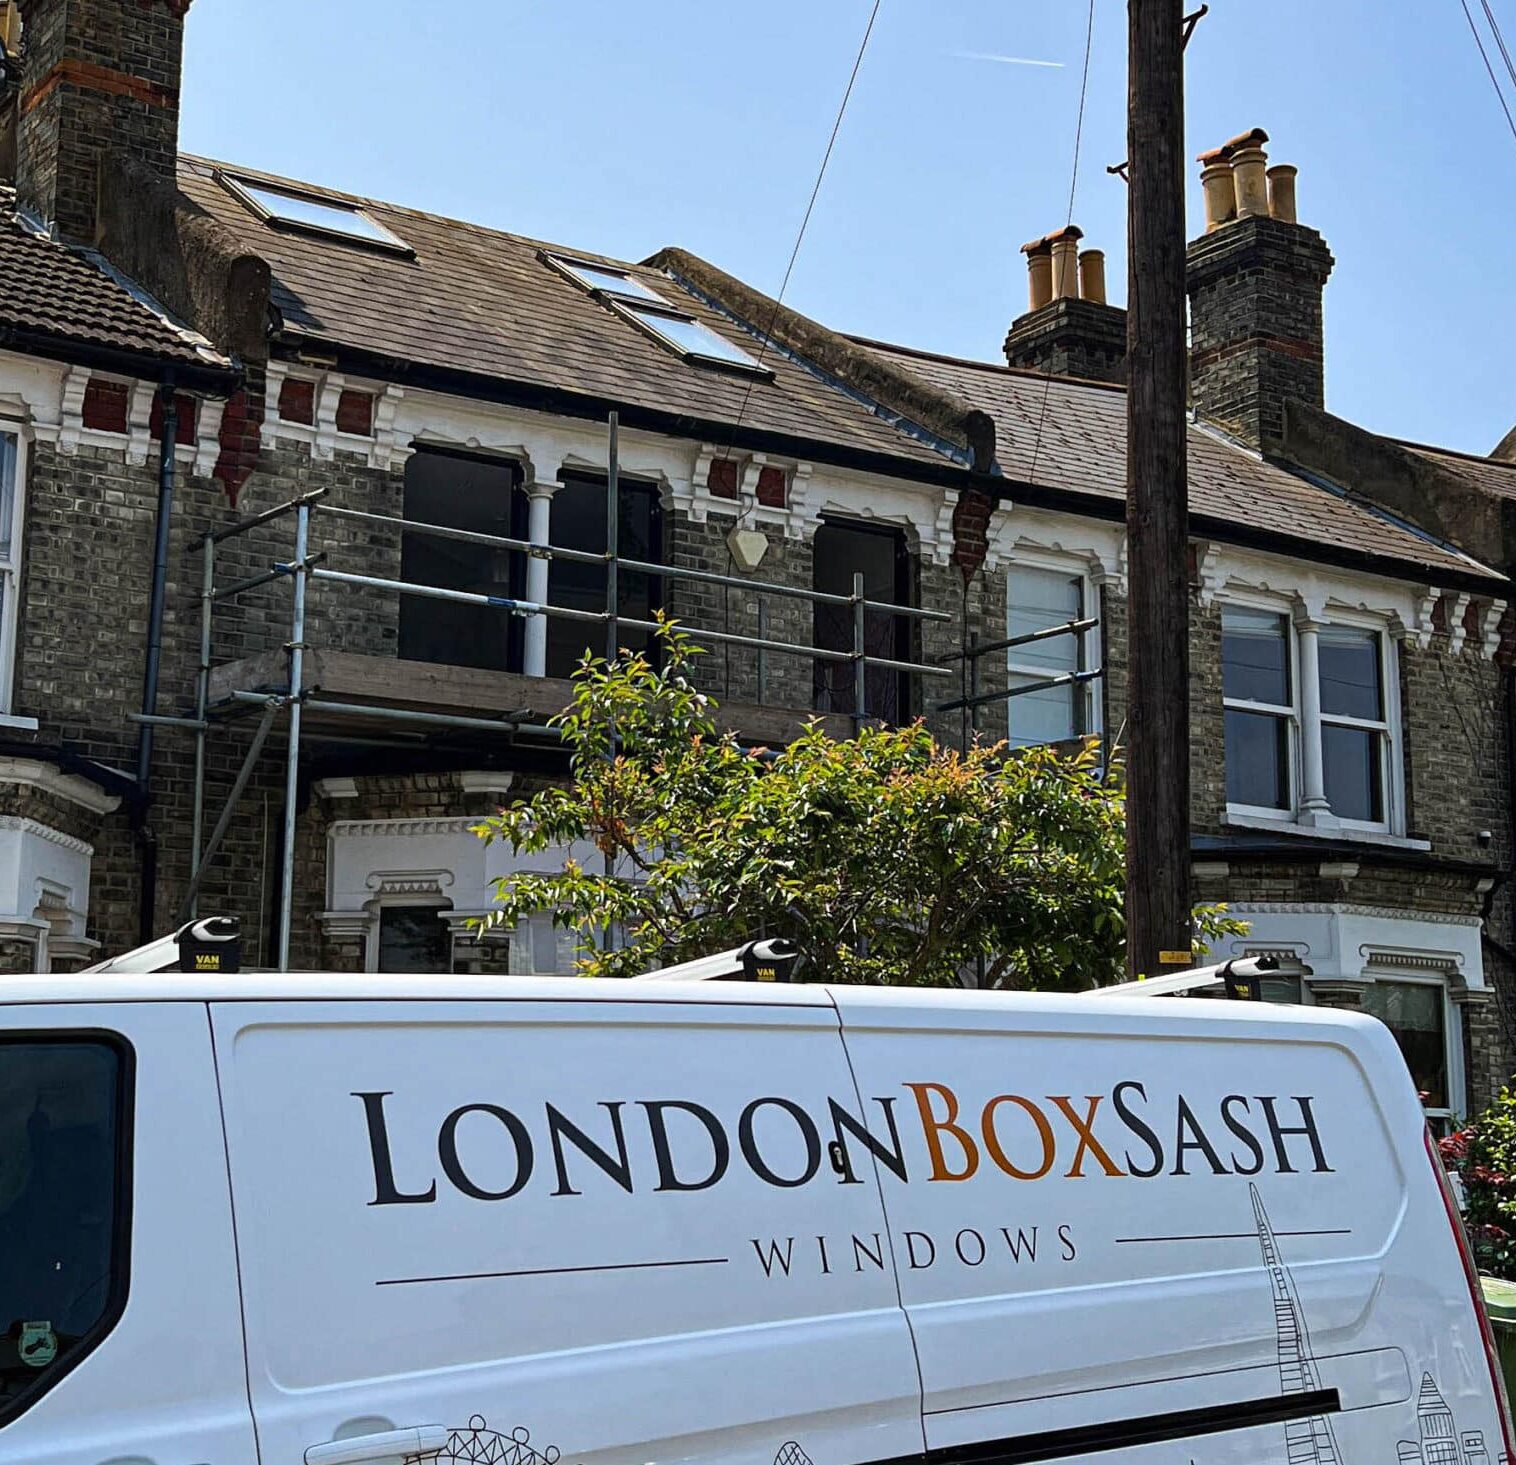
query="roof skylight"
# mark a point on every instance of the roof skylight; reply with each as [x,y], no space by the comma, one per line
[310,214]
[690,338]
[626,295]
[602,277]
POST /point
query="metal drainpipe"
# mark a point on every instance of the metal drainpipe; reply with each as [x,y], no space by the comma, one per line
[147,838]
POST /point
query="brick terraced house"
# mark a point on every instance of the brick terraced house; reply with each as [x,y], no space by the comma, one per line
[189,348]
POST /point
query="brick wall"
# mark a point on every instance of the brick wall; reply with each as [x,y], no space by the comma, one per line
[100,75]
[1256,328]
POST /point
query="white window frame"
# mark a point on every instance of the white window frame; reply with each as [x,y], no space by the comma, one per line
[14,445]
[1391,765]
[1089,645]
[1392,769]
[1289,711]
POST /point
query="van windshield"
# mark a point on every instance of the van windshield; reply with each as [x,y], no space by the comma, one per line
[59,1268]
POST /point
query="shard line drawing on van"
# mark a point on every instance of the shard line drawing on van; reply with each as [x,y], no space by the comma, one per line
[477,1444]
[1438,1441]
[791,1454]
[1308,1441]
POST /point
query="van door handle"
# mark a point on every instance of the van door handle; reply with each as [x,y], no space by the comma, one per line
[371,1449]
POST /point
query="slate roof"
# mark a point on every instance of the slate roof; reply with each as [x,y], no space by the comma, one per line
[482,302]
[52,294]
[1078,443]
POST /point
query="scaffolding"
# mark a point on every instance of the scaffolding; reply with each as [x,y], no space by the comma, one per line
[308,565]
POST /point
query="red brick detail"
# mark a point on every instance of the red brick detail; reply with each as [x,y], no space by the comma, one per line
[971,522]
[1473,622]
[355,413]
[104,80]
[241,436]
[722,479]
[297,401]
[105,405]
[185,423]
[771,487]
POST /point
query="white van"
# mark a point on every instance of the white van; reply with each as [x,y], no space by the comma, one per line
[268,1220]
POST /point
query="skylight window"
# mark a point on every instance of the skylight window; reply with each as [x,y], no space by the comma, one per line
[628,297]
[309,214]
[690,338]
[602,277]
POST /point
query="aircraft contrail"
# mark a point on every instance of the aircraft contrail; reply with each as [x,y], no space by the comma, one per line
[1003,60]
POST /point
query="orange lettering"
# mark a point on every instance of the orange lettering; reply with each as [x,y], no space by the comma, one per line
[1044,1131]
[932,1126]
[1087,1141]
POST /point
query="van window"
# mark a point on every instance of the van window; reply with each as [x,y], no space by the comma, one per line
[63,1214]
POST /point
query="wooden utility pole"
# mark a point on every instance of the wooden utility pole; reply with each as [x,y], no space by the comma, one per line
[1158,719]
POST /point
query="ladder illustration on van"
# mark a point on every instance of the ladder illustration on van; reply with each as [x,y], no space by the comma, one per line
[1307,1441]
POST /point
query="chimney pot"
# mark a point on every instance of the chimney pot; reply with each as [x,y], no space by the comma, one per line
[1250,179]
[1092,275]
[1039,273]
[1220,193]
[1282,192]
[1065,246]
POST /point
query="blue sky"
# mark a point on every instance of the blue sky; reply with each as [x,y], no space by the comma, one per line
[623,127]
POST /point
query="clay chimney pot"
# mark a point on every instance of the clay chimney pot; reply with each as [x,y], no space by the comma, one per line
[1250,180]
[1092,275]
[1216,185]
[1039,273]
[1254,137]
[1066,264]
[1282,192]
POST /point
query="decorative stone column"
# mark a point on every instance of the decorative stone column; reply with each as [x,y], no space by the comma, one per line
[1338,991]
[539,509]
[1314,808]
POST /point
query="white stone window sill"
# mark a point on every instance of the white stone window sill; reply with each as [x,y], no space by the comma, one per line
[10,723]
[1345,833]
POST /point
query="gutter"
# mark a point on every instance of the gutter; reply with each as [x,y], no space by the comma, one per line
[201,379]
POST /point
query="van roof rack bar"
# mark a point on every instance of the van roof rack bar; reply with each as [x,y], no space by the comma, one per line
[211,944]
[1240,977]
[754,961]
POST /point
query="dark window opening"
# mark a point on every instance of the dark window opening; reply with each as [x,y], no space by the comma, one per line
[480,495]
[64,1212]
[880,554]
[579,522]
[414,938]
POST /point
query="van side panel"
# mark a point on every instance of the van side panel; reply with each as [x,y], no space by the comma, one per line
[593,1227]
[1142,1227]
[166,1381]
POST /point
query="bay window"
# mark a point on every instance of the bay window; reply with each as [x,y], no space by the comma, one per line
[1309,719]
[1418,1017]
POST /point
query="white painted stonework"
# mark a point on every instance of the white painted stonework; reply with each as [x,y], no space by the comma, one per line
[373,863]
[44,889]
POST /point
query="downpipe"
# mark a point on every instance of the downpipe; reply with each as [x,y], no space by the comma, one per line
[147,838]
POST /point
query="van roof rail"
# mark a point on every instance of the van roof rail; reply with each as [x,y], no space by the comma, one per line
[754,961]
[211,944]
[1242,978]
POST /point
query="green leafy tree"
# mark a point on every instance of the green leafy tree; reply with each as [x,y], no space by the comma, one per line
[884,858]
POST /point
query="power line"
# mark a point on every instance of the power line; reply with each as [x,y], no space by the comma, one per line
[1505,55]
[1485,57]
[826,158]
[1084,86]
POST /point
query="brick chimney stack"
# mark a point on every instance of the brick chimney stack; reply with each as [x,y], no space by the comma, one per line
[1068,328]
[1255,280]
[100,87]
